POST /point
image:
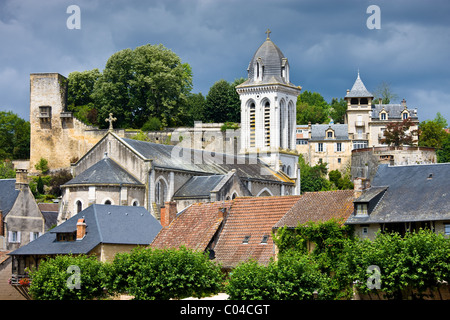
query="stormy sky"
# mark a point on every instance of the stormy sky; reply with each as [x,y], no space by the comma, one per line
[326,43]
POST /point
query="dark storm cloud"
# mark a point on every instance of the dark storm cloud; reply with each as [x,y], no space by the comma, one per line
[326,42]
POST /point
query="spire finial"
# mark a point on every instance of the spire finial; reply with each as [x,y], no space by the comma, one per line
[358,73]
[268,32]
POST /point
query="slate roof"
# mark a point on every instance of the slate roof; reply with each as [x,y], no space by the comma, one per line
[8,195]
[254,217]
[318,131]
[359,90]
[50,213]
[106,171]
[319,207]
[411,194]
[394,111]
[272,59]
[198,187]
[193,228]
[104,224]
[202,161]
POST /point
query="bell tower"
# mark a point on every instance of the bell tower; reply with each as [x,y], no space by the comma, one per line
[268,110]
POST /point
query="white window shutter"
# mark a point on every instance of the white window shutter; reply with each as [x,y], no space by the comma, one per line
[335,147]
[343,146]
[324,147]
[317,147]
[18,236]
[31,236]
[10,236]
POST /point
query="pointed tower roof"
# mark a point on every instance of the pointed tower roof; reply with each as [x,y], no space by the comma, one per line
[359,90]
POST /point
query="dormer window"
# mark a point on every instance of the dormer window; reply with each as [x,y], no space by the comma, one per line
[405,115]
[246,240]
[259,72]
[383,116]
[65,236]
[361,209]
[264,239]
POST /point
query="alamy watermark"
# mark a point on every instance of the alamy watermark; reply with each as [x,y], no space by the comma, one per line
[374,21]
[74,280]
[374,280]
[74,20]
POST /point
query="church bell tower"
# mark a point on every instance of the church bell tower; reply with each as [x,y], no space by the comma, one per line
[268,110]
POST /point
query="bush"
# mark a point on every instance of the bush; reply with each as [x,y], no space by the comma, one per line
[42,166]
[161,274]
[295,276]
[53,279]
[152,124]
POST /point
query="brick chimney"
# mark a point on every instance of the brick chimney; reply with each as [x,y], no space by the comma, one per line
[360,184]
[81,229]
[168,213]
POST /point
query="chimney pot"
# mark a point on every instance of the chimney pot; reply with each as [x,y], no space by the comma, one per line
[21,178]
[81,229]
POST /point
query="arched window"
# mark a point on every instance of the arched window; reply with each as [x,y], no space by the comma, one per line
[288,171]
[108,202]
[267,124]
[291,125]
[160,191]
[283,121]
[252,124]
[135,203]
[79,205]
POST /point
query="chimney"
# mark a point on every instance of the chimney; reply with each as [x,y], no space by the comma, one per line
[21,178]
[81,229]
[222,213]
[168,213]
[404,103]
[360,184]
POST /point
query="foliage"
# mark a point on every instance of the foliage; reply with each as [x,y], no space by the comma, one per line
[222,102]
[149,81]
[80,87]
[338,110]
[50,280]
[313,178]
[155,274]
[312,107]
[443,154]
[432,133]
[152,124]
[229,126]
[7,170]
[194,110]
[396,133]
[42,165]
[57,179]
[341,182]
[294,276]
[408,266]
[40,185]
[14,136]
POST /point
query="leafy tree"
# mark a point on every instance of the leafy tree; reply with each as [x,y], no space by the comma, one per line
[162,274]
[51,281]
[313,178]
[432,132]
[294,276]
[42,165]
[222,102]
[149,81]
[312,107]
[396,133]
[338,109]
[443,154]
[384,92]
[152,124]
[341,182]
[7,170]
[194,110]
[80,87]
[408,266]
[14,136]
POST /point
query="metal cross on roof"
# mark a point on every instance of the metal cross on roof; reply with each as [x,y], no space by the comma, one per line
[110,120]
[268,32]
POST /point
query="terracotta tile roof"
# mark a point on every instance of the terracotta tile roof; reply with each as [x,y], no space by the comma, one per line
[194,227]
[254,217]
[319,206]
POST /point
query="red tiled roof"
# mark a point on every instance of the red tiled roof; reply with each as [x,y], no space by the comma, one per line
[319,206]
[193,228]
[252,217]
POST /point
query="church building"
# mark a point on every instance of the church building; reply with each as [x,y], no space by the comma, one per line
[124,171]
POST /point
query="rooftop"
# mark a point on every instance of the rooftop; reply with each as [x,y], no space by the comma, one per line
[359,90]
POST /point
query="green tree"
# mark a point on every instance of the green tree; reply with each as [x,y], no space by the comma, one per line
[42,165]
[14,136]
[312,107]
[432,132]
[7,170]
[162,274]
[149,81]
[56,278]
[313,178]
[194,110]
[222,102]
[338,109]
[443,154]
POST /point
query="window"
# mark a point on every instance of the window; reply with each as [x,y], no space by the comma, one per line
[14,236]
[361,209]
[264,239]
[339,160]
[108,202]
[252,124]
[246,239]
[135,203]
[66,236]
[359,144]
[79,206]
[302,141]
[447,229]
[364,231]
[405,115]
[34,236]
[320,147]
[339,147]
[383,116]
[330,134]
[267,124]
